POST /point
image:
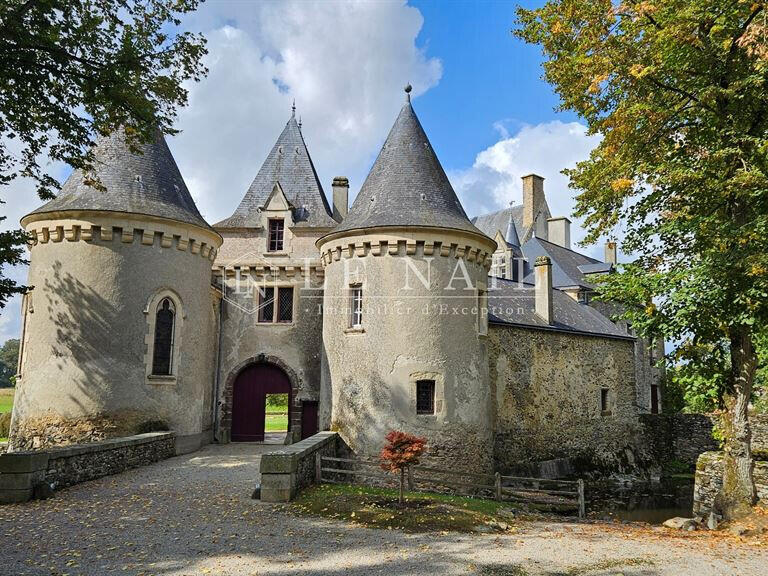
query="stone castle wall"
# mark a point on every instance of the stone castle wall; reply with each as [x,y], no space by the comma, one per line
[85,349]
[681,437]
[410,332]
[547,386]
[709,482]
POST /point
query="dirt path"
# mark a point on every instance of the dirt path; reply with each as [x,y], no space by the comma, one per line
[193,515]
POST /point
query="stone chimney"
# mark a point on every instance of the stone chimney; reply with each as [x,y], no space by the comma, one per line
[543,278]
[610,253]
[533,195]
[340,198]
[559,231]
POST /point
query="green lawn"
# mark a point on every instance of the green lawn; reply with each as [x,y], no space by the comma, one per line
[276,422]
[423,512]
[6,399]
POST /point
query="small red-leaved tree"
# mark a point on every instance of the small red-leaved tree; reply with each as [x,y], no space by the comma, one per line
[401,451]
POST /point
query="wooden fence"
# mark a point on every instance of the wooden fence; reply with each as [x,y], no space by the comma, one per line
[540,492]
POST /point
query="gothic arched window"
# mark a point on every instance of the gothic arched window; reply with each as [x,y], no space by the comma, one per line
[162,354]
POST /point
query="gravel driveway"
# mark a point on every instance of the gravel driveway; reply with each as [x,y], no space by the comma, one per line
[193,515]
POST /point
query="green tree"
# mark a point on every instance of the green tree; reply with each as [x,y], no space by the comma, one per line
[9,359]
[73,69]
[676,89]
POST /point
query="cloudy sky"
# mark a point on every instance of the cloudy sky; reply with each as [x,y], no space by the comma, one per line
[477,91]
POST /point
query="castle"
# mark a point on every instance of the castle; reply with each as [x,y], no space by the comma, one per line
[397,313]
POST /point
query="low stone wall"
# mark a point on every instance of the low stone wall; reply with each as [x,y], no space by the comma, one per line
[681,437]
[709,482]
[287,470]
[20,472]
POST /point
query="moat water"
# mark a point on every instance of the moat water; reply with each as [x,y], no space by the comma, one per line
[632,500]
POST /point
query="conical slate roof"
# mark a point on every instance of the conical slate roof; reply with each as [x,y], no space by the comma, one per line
[511,236]
[149,183]
[289,165]
[407,186]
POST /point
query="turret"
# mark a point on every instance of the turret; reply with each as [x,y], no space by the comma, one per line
[405,313]
[119,324]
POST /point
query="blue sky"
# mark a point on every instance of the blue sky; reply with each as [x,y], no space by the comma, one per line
[489,77]
[477,90]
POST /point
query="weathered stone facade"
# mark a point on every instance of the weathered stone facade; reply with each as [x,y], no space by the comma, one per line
[409,333]
[681,437]
[547,388]
[709,482]
[268,291]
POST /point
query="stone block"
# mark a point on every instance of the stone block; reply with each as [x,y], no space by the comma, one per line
[20,462]
[11,496]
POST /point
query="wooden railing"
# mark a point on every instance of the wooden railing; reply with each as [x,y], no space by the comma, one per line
[542,492]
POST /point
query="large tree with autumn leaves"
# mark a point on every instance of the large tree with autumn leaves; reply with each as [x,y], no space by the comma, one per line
[677,90]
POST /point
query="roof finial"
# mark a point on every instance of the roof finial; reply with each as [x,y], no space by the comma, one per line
[293,109]
[408,89]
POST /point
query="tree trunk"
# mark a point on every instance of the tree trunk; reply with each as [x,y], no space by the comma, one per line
[402,486]
[738,493]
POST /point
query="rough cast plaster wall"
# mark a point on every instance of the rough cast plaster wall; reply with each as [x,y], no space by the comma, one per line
[546,387]
[370,375]
[297,345]
[85,341]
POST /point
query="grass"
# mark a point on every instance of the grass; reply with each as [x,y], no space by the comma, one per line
[423,512]
[276,422]
[6,399]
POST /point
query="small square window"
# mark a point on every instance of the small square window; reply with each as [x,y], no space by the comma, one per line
[356,301]
[267,304]
[276,229]
[425,397]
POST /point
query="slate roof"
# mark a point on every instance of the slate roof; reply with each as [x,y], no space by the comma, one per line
[569,268]
[491,223]
[514,304]
[149,183]
[407,186]
[290,165]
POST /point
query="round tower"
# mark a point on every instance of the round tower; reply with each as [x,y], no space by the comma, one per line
[405,313]
[118,324]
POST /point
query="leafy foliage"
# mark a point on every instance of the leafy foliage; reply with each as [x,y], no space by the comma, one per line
[71,70]
[401,450]
[9,358]
[676,89]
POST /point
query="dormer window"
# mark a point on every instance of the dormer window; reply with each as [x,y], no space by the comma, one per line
[275,240]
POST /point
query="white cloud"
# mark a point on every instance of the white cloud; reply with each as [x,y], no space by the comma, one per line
[545,149]
[344,64]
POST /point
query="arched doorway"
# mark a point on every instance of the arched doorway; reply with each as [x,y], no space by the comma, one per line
[249,395]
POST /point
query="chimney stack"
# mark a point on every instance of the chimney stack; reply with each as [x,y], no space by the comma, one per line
[340,198]
[610,253]
[533,195]
[543,288]
[559,231]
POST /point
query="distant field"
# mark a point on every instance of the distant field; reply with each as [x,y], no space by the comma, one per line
[6,399]
[276,423]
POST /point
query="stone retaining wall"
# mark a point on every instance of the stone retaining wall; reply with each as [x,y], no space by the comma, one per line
[681,437]
[709,482]
[287,470]
[20,472]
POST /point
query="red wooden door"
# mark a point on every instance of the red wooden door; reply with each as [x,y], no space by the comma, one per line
[249,396]
[308,419]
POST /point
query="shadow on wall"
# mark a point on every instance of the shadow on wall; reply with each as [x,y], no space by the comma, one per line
[89,353]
